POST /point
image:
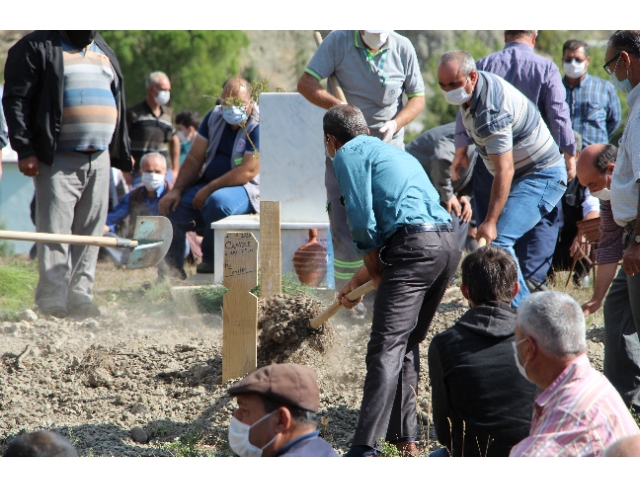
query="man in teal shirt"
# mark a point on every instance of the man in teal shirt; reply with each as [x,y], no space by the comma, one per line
[409,251]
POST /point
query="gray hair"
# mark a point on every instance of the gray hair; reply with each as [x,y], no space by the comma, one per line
[154,78]
[556,322]
[463,58]
[151,155]
[344,122]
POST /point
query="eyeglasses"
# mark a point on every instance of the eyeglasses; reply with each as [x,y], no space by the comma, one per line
[574,60]
[606,65]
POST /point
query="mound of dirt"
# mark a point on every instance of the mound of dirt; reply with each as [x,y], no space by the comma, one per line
[286,329]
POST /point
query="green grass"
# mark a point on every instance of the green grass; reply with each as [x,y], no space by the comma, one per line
[185,446]
[18,282]
[388,449]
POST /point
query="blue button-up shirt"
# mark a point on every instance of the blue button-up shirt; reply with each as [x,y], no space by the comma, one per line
[384,188]
[595,109]
[539,79]
[124,207]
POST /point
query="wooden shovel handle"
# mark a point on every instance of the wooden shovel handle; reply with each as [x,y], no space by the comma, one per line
[334,81]
[67,239]
[335,307]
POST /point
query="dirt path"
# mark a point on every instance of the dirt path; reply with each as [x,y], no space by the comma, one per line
[96,380]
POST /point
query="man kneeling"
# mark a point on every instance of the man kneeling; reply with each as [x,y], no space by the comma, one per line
[481,404]
[276,415]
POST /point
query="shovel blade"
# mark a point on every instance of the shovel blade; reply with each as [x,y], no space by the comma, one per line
[154,235]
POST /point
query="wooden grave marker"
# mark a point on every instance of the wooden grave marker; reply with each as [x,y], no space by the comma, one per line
[270,249]
[239,306]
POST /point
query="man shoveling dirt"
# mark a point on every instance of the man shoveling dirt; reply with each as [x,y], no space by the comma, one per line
[410,253]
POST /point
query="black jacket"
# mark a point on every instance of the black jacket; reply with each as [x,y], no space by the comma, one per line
[474,380]
[33,93]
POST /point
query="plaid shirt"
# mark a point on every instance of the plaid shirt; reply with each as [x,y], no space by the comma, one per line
[595,110]
[579,415]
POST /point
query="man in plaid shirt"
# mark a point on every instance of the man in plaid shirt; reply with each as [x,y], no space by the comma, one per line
[578,413]
[593,103]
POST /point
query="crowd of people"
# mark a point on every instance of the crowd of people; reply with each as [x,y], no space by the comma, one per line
[527,158]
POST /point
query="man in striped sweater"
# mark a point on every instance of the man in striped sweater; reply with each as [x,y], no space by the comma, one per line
[515,145]
[578,413]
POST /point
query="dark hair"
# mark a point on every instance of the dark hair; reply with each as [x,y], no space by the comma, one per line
[40,444]
[188,118]
[299,415]
[514,34]
[489,274]
[344,122]
[573,44]
[607,155]
[627,41]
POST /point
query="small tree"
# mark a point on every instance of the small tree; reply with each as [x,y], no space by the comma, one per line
[197,62]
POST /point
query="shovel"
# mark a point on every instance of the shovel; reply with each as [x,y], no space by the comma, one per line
[150,243]
[355,294]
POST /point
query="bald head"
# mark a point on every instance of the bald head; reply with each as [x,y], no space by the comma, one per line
[595,164]
[236,88]
[626,447]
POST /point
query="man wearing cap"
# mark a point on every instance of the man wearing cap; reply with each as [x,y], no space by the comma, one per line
[276,415]
[374,68]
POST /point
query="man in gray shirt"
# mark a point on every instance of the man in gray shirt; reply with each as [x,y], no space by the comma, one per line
[374,68]
[515,145]
[435,150]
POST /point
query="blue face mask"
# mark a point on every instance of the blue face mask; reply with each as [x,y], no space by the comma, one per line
[623,86]
[234,115]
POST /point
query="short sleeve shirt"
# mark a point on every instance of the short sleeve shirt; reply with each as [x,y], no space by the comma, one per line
[372,82]
[149,133]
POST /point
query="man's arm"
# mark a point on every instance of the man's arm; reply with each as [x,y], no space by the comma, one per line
[500,189]
[174,151]
[312,90]
[631,256]
[604,278]
[238,176]
[411,110]
[189,174]
[119,212]
[439,398]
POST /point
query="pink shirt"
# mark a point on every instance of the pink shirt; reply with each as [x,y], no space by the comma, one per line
[578,415]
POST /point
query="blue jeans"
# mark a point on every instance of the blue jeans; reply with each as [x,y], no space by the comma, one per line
[220,204]
[531,197]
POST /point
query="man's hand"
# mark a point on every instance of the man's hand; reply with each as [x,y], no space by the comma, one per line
[201,197]
[388,129]
[631,258]
[169,202]
[591,306]
[346,289]
[576,247]
[466,211]
[570,162]
[29,166]
[453,204]
[460,159]
[487,230]
[106,229]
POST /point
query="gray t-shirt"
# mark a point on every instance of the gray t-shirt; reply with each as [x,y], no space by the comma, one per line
[373,83]
[434,149]
[501,119]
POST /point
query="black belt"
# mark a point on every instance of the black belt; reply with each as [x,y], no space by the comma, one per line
[419,228]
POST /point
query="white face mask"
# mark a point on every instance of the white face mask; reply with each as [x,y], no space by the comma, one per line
[521,368]
[182,137]
[603,194]
[152,181]
[457,96]
[574,69]
[239,438]
[163,97]
[375,39]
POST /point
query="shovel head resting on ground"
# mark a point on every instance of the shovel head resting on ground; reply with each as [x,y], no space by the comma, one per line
[154,235]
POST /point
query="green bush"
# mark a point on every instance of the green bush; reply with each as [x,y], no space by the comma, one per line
[18,281]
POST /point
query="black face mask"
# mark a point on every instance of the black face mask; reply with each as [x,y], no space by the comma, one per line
[81,38]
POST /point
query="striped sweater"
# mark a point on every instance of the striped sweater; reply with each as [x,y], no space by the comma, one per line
[89,113]
[579,415]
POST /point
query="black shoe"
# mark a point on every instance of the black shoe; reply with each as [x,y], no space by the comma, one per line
[85,310]
[205,268]
[56,311]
